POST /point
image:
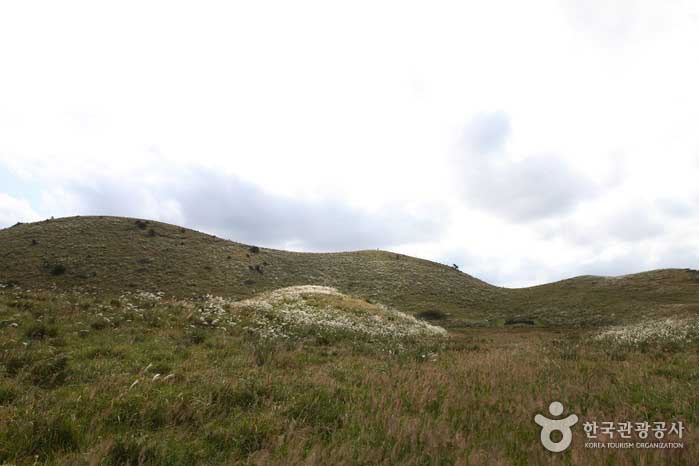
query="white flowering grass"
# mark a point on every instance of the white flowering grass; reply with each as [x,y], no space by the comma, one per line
[286,313]
[308,309]
[674,331]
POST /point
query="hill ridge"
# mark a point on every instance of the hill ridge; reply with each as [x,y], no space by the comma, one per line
[112,254]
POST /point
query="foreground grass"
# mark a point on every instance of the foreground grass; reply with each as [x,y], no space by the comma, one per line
[140,380]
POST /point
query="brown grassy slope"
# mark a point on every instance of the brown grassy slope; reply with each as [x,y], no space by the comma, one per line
[113,254]
[598,300]
[225,396]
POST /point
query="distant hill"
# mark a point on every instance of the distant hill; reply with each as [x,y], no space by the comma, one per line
[113,254]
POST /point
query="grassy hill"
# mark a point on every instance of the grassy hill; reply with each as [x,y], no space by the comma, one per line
[128,342]
[113,254]
[306,375]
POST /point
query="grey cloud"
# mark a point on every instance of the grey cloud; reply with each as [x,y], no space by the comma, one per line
[233,208]
[617,23]
[521,191]
[620,265]
[487,133]
[527,271]
[678,256]
[533,270]
[630,223]
[640,258]
[675,207]
[634,224]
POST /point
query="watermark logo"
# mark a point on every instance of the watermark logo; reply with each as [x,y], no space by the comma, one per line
[609,434]
[548,426]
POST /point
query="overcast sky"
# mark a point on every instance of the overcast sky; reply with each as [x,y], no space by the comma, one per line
[524,141]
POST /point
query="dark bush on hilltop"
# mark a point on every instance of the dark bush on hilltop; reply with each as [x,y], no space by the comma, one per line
[432,314]
[57,269]
[254,249]
[54,268]
[519,321]
[141,224]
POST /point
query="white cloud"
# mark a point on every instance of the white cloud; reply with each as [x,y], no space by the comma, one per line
[14,210]
[521,190]
[319,107]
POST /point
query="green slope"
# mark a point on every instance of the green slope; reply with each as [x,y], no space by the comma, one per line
[113,254]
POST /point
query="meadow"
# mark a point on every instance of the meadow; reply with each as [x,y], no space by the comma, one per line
[143,378]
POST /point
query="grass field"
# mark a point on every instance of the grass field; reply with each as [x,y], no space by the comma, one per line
[131,342]
[139,379]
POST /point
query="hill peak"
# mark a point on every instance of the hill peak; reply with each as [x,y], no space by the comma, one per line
[116,253]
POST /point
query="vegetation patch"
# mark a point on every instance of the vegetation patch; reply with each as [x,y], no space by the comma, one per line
[432,314]
[39,330]
[197,381]
[663,332]
[302,310]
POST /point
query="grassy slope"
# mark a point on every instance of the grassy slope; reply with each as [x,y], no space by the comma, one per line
[68,393]
[113,254]
[69,361]
[593,300]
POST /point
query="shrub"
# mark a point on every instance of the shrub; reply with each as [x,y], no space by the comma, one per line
[58,269]
[130,451]
[152,233]
[248,395]
[320,407]
[519,321]
[432,314]
[197,336]
[136,412]
[251,435]
[245,436]
[39,331]
[141,224]
[100,324]
[15,362]
[49,373]
[264,351]
[254,249]
[7,396]
[39,436]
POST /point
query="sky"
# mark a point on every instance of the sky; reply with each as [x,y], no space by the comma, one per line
[526,142]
